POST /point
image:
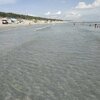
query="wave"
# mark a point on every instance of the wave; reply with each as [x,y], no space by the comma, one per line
[41,28]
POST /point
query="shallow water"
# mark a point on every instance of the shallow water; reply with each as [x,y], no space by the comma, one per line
[50,62]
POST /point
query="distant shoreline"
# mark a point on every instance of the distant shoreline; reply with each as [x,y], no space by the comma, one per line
[25,23]
[18,25]
[13,20]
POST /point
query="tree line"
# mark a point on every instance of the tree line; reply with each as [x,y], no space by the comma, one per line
[27,17]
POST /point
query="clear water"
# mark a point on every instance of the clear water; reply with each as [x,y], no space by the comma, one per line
[50,62]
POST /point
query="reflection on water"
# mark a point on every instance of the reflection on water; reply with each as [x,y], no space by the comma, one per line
[54,62]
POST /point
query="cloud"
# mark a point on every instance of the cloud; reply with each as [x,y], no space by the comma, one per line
[83,5]
[53,14]
[84,12]
[81,12]
[58,13]
[3,2]
[72,15]
[48,13]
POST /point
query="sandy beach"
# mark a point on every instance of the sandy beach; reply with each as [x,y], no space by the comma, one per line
[25,23]
[50,62]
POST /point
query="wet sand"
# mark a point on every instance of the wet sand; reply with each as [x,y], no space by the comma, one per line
[50,62]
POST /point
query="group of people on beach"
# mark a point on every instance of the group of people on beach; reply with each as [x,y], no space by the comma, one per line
[95,25]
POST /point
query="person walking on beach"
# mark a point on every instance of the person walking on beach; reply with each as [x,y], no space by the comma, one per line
[95,25]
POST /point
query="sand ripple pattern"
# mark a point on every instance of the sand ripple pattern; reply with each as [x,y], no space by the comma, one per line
[56,62]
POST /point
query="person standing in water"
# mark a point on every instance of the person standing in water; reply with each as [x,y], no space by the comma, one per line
[95,25]
[74,24]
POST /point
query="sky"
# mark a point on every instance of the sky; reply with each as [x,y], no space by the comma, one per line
[80,10]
